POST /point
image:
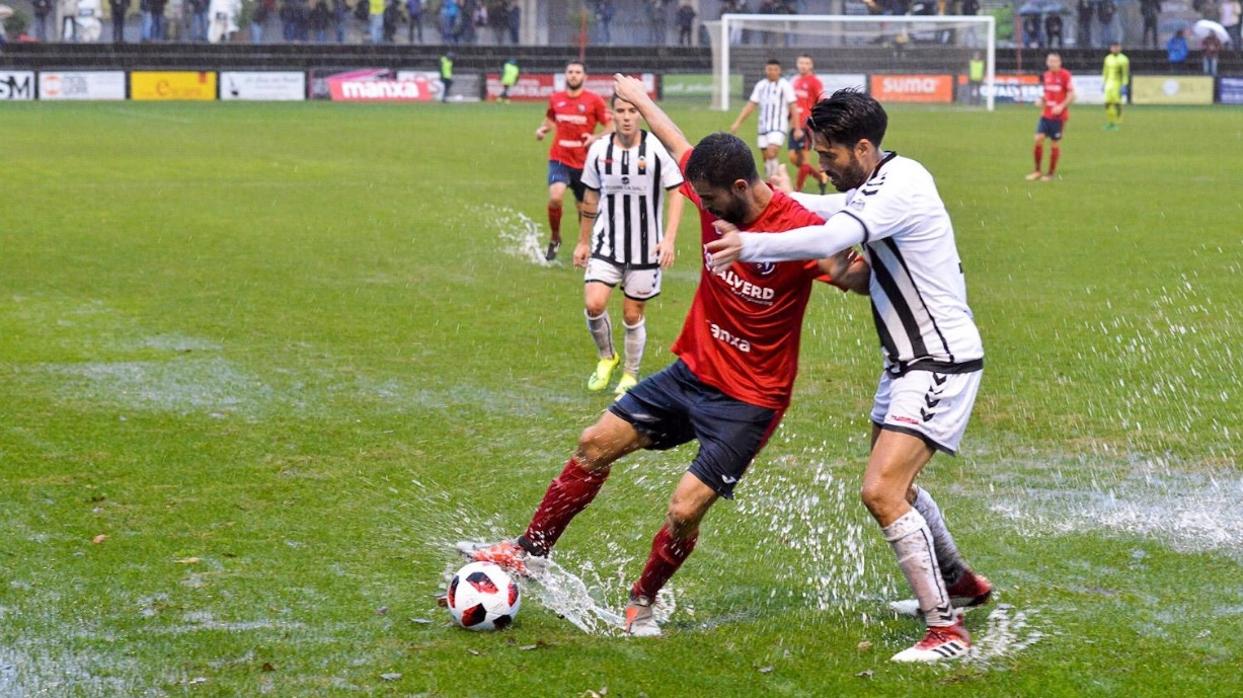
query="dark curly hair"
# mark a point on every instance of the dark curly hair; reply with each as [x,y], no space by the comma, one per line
[720,159]
[848,117]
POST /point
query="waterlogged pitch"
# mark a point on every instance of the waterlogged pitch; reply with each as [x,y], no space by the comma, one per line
[264,365]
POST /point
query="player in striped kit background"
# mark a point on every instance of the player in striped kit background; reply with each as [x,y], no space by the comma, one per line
[621,239]
[778,107]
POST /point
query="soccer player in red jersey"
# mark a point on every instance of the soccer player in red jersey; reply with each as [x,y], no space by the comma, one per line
[573,113]
[1058,94]
[808,89]
[737,359]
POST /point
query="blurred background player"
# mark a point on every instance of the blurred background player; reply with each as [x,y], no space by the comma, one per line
[573,113]
[737,357]
[509,78]
[621,238]
[1055,105]
[807,91]
[1117,76]
[774,96]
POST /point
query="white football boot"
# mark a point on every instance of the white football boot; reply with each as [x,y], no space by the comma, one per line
[640,622]
[939,644]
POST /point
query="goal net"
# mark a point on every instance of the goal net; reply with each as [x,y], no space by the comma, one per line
[938,59]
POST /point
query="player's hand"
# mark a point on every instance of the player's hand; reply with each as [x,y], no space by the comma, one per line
[589,138]
[540,133]
[733,128]
[781,181]
[727,249]
[628,88]
[582,251]
[798,134]
[1057,110]
[666,253]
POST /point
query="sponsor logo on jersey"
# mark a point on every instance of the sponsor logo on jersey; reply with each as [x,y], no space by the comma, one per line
[764,268]
[731,339]
[572,118]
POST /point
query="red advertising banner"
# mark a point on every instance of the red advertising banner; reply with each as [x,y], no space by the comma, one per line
[912,88]
[538,87]
[368,86]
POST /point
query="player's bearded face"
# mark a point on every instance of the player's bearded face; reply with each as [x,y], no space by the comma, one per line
[574,79]
[727,203]
[841,164]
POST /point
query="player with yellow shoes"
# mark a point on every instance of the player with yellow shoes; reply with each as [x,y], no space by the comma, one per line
[621,239]
[1117,76]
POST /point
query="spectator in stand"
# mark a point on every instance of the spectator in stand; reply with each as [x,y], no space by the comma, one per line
[392,17]
[286,16]
[375,20]
[1209,48]
[1031,31]
[970,8]
[198,20]
[498,20]
[1176,49]
[1230,19]
[340,19]
[604,17]
[42,9]
[656,30]
[1053,29]
[414,10]
[513,17]
[118,9]
[321,19]
[1105,12]
[450,11]
[263,10]
[1084,12]
[1150,10]
[686,24]
[156,12]
[478,14]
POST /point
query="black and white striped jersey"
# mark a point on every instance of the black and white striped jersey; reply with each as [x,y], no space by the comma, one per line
[918,292]
[632,184]
[773,100]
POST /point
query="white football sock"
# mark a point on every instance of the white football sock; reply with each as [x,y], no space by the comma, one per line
[636,338]
[601,330]
[912,543]
[770,168]
[948,558]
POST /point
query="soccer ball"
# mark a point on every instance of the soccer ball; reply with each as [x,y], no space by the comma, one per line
[482,596]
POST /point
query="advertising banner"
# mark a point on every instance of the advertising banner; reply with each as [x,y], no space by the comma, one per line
[167,85]
[1171,89]
[912,88]
[538,87]
[1089,89]
[17,85]
[1012,88]
[266,86]
[694,85]
[82,84]
[839,81]
[351,87]
[1232,90]
[603,84]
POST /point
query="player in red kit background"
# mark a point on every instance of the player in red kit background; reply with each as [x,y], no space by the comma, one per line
[808,89]
[573,115]
[1055,106]
[737,359]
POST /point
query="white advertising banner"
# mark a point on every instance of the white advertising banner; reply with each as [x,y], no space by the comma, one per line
[1089,89]
[17,85]
[839,81]
[264,86]
[82,84]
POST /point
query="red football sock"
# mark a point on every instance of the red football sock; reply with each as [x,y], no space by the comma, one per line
[1039,153]
[554,221]
[568,494]
[803,171]
[668,554]
[1053,154]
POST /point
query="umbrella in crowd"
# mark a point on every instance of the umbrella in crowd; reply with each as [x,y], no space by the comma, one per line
[1043,7]
[1205,27]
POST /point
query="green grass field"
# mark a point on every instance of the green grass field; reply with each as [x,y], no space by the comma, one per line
[281,355]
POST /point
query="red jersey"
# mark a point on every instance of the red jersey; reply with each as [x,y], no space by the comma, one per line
[1057,88]
[575,117]
[741,335]
[808,89]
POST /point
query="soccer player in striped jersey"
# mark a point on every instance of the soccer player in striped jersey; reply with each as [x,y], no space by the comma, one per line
[933,356]
[778,106]
[621,239]
[807,91]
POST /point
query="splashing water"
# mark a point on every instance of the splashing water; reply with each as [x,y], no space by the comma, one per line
[1008,632]
[520,236]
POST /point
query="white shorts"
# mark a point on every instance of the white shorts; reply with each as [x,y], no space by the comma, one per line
[777,138]
[638,284]
[933,406]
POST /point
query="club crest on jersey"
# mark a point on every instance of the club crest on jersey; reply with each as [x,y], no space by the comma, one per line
[625,181]
[582,108]
[764,268]
[642,165]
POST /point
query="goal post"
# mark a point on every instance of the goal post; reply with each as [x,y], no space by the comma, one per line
[874,45]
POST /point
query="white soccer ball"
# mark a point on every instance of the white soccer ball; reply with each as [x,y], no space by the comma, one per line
[482,596]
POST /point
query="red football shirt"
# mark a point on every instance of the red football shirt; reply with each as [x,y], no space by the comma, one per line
[575,117]
[808,89]
[741,335]
[1057,88]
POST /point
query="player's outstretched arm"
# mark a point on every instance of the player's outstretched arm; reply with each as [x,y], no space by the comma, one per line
[742,116]
[658,121]
[812,242]
[669,243]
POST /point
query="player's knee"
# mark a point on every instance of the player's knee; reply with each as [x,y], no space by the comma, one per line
[879,500]
[554,202]
[597,306]
[632,316]
[594,450]
[682,519]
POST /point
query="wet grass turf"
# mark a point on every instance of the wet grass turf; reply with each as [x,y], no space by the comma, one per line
[278,354]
